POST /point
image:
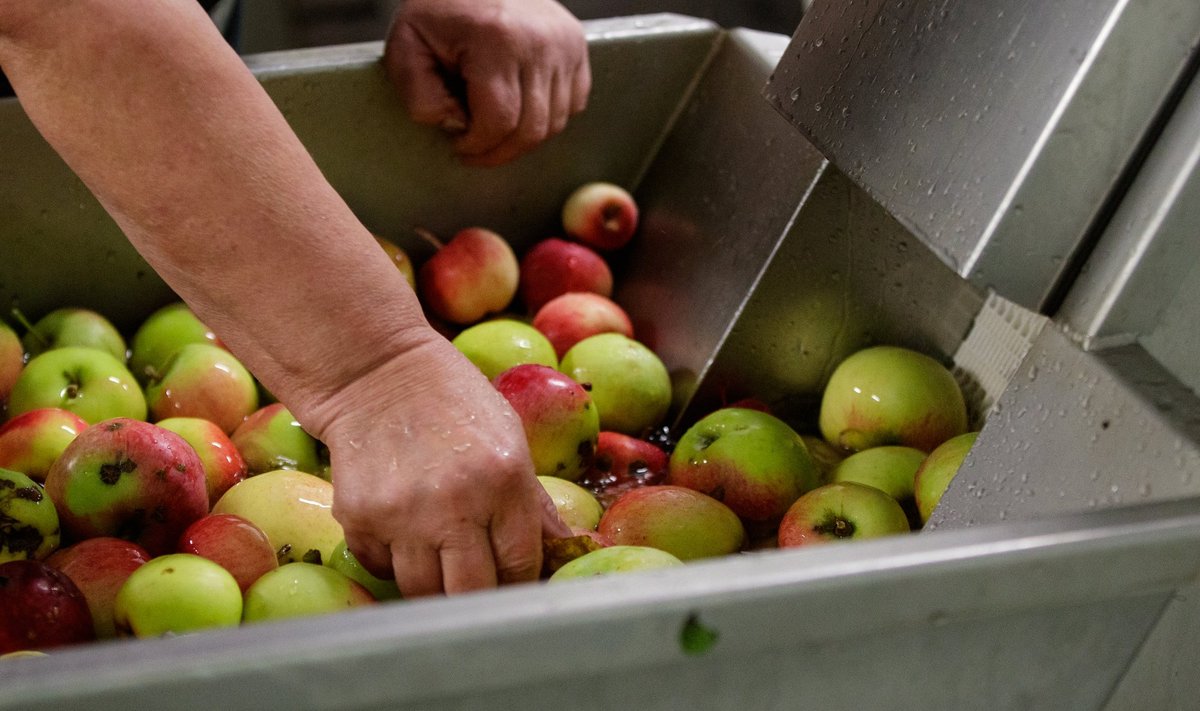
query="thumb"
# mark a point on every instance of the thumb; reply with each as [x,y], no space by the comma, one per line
[425,85]
[552,524]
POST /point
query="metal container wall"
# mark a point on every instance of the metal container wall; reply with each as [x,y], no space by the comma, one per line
[758,267]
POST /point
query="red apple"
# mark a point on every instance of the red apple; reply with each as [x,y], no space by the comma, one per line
[561,423]
[473,275]
[841,511]
[40,608]
[206,381]
[271,438]
[12,360]
[601,215]
[675,519]
[99,567]
[751,461]
[891,395]
[222,461]
[31,441]
[129,479]
[569,318]
[554,267]
[622,463]
[232,541]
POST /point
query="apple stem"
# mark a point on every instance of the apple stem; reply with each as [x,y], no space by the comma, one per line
[20,317]
[429,237]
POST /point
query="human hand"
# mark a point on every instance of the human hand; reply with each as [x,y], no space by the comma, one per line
[433,483]
[521,66]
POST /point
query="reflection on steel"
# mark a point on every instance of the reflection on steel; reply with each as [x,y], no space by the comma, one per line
[993,130]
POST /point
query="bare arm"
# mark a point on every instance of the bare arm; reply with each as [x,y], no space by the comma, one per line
[164,123]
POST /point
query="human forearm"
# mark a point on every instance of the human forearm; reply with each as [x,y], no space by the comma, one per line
[179,142]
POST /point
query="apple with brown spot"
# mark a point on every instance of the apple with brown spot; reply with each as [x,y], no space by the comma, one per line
[129,479]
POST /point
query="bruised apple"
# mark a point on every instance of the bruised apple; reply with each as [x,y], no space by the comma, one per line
[28,520]
[560,421]
[681,521]
[891,395]
[751,461]
[129,479]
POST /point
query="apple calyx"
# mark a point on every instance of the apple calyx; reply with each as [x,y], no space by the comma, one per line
[837,527]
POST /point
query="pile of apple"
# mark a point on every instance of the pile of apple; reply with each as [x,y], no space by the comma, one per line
[151,487]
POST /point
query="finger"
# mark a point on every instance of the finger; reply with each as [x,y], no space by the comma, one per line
[494,102]
[373,555]
[517,543]
[414,69]
[533,126]
[467,564]
[552,524]
[560,102]
[418,571]
[581,85]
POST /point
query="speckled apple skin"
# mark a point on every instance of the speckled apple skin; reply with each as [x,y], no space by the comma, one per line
[129,479]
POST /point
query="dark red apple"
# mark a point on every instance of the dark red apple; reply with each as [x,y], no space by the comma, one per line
[233,542]
[99,567]
[129,479]
[40,608]
[554,267]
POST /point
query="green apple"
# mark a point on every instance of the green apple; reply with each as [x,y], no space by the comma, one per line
[891,395]
[751,461]
[576,506]
[161,335]
[302,590]
[12,360]
[31,441]
[345,562]
[891,468]
[177,593]
[629,384]
[938,470]
[206,381]
[271,438]
[74,327]
[560,421]
[615,559]
[28,520]
[89,382]
[497,345]
[294,509]
[841,511]
[681,521]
